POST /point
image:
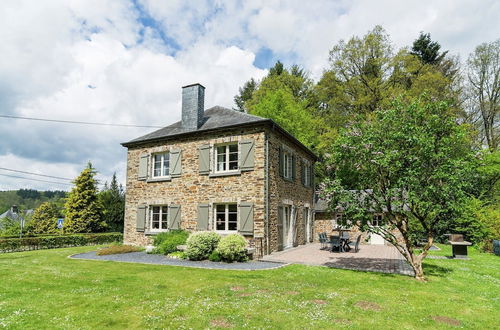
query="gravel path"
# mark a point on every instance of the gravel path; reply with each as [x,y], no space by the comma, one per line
[157,259]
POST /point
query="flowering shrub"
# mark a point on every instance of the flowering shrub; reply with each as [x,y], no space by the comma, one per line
[201,244]
[232,248]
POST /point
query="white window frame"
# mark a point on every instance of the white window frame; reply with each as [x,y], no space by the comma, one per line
[377,220]
[226,218]
[162,164]
[307,174]
[160,225]
[226,160]
[287,164]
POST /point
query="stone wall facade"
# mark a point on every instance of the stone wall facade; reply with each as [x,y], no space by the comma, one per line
[285,192]
[192,188]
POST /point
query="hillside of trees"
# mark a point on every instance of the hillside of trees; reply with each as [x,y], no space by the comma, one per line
[29,199]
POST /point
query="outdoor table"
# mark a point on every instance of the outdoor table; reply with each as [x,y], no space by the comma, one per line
[344,242]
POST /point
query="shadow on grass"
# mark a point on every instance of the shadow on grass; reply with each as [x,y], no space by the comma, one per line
[379,265]
[435,270]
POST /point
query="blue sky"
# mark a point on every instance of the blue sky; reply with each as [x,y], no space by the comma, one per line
[125,61]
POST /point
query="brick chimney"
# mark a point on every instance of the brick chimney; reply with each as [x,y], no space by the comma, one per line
[193,102]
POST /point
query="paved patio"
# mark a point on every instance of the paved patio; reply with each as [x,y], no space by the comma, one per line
[372,258]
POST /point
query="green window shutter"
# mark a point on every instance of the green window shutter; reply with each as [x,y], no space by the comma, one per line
[245,223]
[293,166]
[175,163]
[280,228]
[141,217]
[174,220]
[247,155]
[204,159]
[281,160]
[203,217]
[143,167]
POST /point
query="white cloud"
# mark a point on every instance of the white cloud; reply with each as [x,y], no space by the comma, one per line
[97,61]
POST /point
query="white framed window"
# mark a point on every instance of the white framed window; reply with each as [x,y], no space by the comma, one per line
[287,165]
[226,157]
[307,174]
[226,217]
[161,165]
[159,217]
[377,220]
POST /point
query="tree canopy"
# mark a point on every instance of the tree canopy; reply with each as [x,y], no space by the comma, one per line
[410,162]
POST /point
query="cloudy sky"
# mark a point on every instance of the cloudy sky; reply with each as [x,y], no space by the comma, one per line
[124,62]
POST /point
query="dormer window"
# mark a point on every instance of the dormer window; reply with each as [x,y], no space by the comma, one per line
[226,157]
[161,165]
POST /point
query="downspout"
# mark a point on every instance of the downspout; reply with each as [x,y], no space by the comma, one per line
[266,192]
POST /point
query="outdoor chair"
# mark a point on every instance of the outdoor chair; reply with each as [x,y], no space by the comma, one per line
[323,240]
[335,243]
[356,246]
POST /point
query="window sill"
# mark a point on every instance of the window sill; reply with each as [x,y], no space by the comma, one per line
[228,173]
[288,179]
[160,179]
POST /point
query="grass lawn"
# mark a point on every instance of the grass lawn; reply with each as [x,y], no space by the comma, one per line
[46,290]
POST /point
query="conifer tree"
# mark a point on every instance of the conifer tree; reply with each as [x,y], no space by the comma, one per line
[83,208]
[44,220]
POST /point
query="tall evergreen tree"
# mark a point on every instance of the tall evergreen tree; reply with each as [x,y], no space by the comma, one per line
[44,220]
[427,50]
[112,200]
[83,208]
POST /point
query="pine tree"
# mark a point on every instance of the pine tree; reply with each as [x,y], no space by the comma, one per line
[112,200]
[83,208]
[44,220]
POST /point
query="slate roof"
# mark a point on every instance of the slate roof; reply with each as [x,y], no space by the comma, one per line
[215,118]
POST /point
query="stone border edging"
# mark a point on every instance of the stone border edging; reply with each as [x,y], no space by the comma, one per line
[180,262]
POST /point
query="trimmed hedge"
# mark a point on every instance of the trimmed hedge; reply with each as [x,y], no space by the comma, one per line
[52,242]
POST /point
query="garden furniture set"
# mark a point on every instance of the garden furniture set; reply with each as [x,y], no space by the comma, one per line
[340,242]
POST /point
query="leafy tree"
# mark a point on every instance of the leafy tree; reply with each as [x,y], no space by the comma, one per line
[283,95]
[245,94]
[112,199]
[83,209]
[412,163]
[44,220]
[484,87]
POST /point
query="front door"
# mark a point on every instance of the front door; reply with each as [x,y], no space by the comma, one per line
[376,239]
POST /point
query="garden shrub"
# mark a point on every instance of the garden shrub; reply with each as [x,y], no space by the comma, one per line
[215,256]
[232,248]
[51,242]
[118,249]
[167,242]
[177,255]
[201,244]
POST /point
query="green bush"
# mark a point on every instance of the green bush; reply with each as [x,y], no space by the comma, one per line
[177,255]
[201,244]
[51,242]
[167,242]
[232,248]
[215,256]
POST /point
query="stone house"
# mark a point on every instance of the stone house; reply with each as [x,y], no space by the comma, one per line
[220,170]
